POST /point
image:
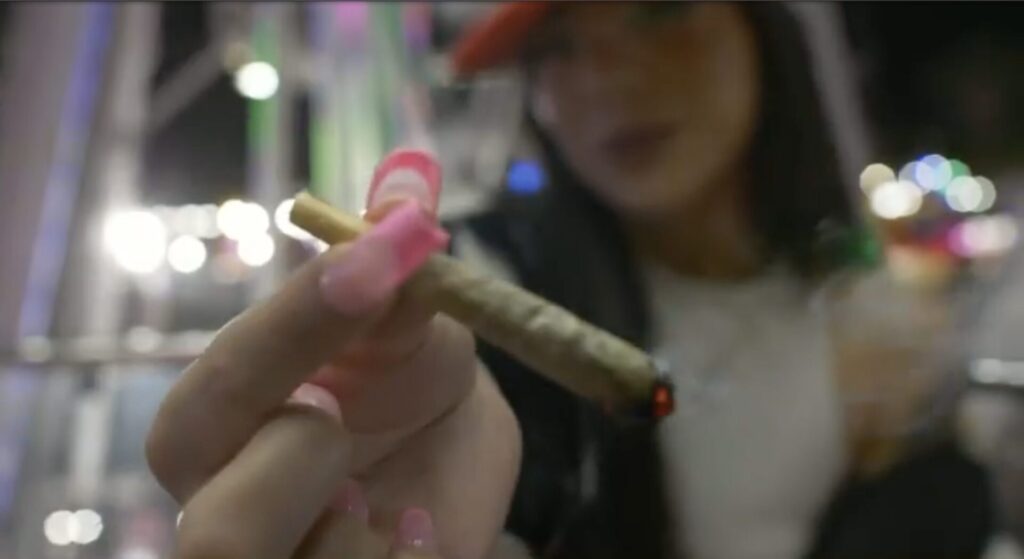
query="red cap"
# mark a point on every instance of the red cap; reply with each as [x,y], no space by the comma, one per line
[498,38]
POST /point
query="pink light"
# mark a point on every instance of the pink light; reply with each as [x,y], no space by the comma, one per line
[416,21]
[983,236]
[352,19]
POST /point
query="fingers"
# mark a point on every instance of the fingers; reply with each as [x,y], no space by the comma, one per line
[476,449]
[344,532]
[345,536]
[402,177]
[380,394]
[414,537]
[268,497]
[412,554]
[221,429]
[339,536]
[265,353]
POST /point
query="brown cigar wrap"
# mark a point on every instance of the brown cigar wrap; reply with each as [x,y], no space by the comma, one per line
[582,358]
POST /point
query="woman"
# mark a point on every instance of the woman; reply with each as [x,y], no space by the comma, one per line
[695,206]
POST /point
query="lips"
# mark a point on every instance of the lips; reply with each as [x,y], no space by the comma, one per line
[636,144]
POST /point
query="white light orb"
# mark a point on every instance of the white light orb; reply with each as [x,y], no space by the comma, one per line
[256,251]
[137,239]
[86,526]
[282,219]
[964,194]
[186,254]
[237,219]
[57,527]
[896,199]
[257,80]
[875,175]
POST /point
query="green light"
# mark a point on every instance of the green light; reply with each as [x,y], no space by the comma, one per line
[262,117]
[868,249]
[960,169]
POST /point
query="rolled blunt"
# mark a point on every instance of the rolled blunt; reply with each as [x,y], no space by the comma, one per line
[584,359]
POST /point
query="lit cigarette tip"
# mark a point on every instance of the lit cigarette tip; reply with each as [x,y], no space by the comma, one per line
[663,403]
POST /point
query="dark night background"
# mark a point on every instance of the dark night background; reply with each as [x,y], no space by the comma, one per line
[940,76]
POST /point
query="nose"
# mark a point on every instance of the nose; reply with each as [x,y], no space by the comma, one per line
[607,63]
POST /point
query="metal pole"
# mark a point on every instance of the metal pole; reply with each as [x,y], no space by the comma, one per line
[96,290]
[54,55]
[271,125]
[92,289]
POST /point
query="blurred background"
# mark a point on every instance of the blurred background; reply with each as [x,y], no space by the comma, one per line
[148,154]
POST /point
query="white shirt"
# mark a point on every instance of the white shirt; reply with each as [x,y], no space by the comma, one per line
[753,461]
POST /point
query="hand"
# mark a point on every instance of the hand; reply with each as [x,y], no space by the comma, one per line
[338,420]
[892,344]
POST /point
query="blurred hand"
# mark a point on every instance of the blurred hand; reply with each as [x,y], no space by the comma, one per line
[894,344]
[338,420]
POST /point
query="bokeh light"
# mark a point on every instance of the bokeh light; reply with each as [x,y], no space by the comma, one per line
[525,177]
[186,254]
[257,80]
[981,236]
[896,199]
[908,172]
[924,176]
[988,194]
[196,220]
[875,175]
[959,168]
[964,194]
[934,172]
[237,219]
[256,250]
[57,527]
[86,526]
[282,219]
[137,239]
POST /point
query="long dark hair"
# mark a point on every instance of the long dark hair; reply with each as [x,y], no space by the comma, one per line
[799,202]
[577,255]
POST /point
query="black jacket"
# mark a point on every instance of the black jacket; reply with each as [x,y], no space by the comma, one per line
[591,486]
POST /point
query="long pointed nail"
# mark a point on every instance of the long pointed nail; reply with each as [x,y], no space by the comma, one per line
[365,275]
[351,501]
[409,175]
[415,531]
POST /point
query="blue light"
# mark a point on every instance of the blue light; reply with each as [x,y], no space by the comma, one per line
[933,172]
[525,177]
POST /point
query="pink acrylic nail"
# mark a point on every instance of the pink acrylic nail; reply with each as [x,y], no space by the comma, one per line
[351,501]
[413,235]
[415,531]
[407,173]
[373,267]
[351,283]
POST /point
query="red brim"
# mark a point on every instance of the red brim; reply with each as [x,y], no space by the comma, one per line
[498,39]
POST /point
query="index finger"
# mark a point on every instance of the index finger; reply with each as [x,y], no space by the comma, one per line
[259,358]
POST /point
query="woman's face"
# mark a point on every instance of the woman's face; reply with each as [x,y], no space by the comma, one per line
[650,103]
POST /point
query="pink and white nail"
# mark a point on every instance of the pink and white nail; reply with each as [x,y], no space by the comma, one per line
[407,173]
[350,500]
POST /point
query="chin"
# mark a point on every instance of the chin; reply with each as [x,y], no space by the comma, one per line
[649,194]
